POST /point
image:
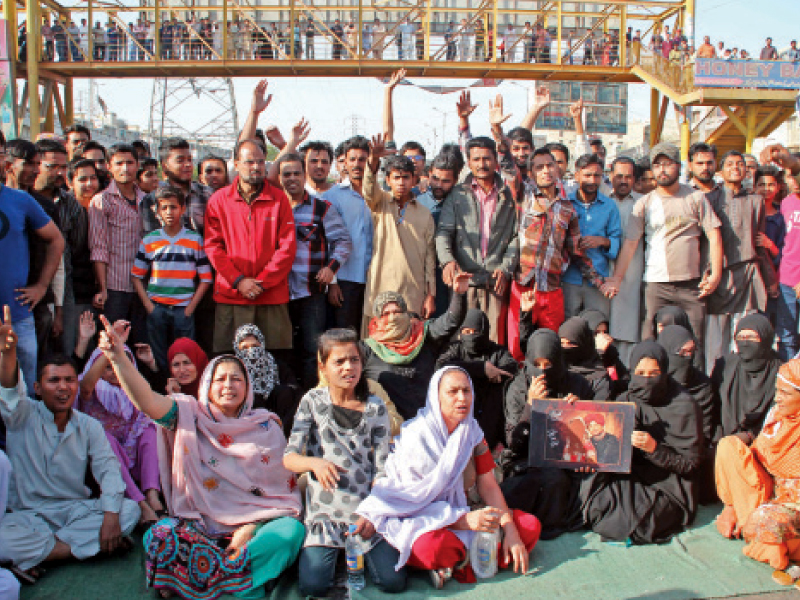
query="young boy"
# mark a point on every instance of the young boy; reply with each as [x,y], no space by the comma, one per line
[147,175]
[175,259]
[769,183]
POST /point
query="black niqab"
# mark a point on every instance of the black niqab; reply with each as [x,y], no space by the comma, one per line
[672,315]
[475,343]
[747,379]
[584,354]
[594,318]
[545,343]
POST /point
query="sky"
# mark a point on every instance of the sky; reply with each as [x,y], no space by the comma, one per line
[328,104]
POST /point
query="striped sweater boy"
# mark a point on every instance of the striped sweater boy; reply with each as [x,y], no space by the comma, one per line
[173,264]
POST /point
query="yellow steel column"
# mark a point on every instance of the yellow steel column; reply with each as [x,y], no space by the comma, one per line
[752,113]
[495,41]
[623,36]
[10,15]
[291,29]
[49,105]
[157,31]
[686,133]
[90,33]
[654,102]
[224,30]
[33,14]
[560,36]
[69,104]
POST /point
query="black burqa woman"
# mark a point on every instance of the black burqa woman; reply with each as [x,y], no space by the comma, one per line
[745,380]
[617,372]
[681,348]
[658,498]
[472,351]
[549,493]
[675,315]
[582,358]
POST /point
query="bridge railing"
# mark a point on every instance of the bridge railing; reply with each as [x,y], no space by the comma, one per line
[544,31]
[677,72]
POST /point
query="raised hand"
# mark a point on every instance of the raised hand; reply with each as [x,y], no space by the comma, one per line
[493,373]
[86,325]
[300,133]
[260,98]
[110,342]
[144,354]
[496,116]
[542,97]
[123,329]
[576,109]
[275,137]
[377,147]
[396,78]
[8,337]
[464,106]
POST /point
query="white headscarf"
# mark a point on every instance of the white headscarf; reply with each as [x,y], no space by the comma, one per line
[423,489]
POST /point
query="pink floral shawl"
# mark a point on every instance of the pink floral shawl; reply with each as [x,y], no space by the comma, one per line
[227,471]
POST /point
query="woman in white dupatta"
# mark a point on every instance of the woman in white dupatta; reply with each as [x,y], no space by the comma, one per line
[421,506]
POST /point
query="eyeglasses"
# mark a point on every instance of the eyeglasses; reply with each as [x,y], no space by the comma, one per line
[415,156]
[746,337]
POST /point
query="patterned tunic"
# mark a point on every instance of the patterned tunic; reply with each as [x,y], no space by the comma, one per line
[361,452]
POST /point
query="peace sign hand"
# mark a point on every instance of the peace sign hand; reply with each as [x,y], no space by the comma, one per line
[8,337]
[110,342]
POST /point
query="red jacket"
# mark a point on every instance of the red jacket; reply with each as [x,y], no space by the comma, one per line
[255,240]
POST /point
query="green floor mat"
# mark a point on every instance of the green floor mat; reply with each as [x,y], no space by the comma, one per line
[696,564]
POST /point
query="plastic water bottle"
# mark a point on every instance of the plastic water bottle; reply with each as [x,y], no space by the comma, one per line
[483,553]
[354,553]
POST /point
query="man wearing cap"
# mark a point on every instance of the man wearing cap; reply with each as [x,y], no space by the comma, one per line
[672,218]
[606,445]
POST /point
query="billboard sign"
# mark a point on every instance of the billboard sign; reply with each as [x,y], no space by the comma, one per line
[765,74]
[605,106]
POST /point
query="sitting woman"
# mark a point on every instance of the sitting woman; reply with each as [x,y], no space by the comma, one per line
[421,507]
[340,435]
[745,380]
[489,365]
[187,361]
[671,315]
[658,498]
[580,355]
[759,483]
[550,493]
[604,344]
[274,385]
[234,525]
[401,350]
[130,432]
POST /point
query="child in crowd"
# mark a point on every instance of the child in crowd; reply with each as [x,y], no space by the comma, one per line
[174,258]
[147,175]
[768,182]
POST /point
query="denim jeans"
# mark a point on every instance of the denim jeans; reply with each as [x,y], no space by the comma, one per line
[27,350]
[308,317]
[126,305]
[318,568]
[787,322]
[164,325]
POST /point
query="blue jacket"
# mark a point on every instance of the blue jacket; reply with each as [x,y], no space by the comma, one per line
[600,218]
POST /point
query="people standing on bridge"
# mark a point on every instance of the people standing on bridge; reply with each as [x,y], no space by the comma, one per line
[378,39]
[407,29]
[706,49]
[338,39]
[769,52]
[464,53]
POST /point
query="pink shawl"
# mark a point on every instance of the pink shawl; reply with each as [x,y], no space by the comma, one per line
[110,405]
[227,471]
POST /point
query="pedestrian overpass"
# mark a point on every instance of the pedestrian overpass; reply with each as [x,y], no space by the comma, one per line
[551,40]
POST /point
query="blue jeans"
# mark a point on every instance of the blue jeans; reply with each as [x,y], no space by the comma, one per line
[27,349]
[318,568]
[308,317]
[164,325]
[787,322]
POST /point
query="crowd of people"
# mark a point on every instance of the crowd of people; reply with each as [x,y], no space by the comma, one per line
[201,38]
[184,349]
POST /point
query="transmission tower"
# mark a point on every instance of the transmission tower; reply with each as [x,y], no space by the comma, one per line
[175,98]
[354,125]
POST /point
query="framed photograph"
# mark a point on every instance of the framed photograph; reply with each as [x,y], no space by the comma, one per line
[583,434]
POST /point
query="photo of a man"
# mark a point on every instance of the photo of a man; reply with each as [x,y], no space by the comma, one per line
[606,445]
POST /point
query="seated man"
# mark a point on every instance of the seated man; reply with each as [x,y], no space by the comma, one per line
[53,517]
[9,586]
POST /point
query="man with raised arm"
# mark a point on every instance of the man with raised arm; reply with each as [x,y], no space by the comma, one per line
[51,446]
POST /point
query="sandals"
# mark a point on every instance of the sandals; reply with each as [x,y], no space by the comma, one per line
[440,576]
[787,577]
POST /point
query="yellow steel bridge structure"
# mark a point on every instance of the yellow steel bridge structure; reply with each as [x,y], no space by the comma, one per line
[498,39]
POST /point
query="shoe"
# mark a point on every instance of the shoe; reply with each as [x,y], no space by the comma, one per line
[440,576]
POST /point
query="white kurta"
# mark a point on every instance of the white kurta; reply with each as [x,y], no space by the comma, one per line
[47,493]
[624,321]
[9,586]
